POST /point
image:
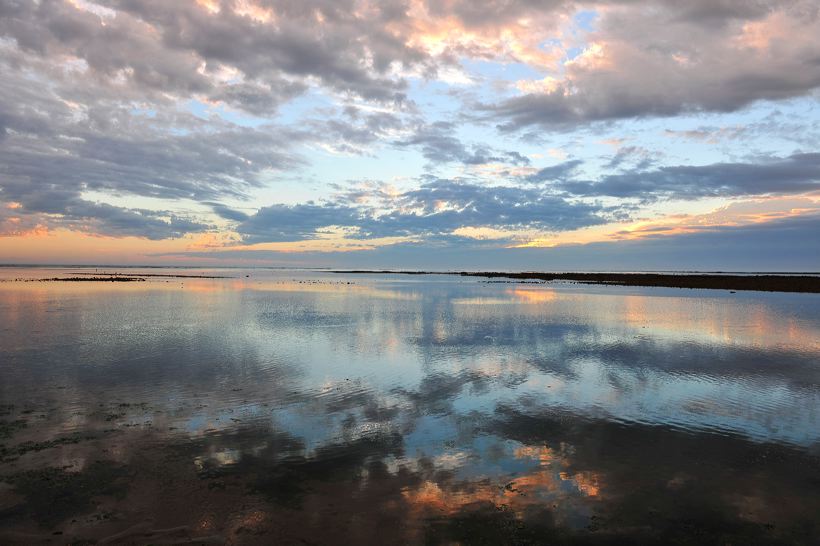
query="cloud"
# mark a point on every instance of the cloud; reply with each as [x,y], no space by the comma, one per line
[295,222]
[121,222]
[250,62]
[228,213]
[797,173]
[49,172]
[97,98]
[438,145]
[640,59]
[355,131]
[90,217]
[642,157]
[55,150]
[788,244]
[663,59]
[560,171]
[436,208]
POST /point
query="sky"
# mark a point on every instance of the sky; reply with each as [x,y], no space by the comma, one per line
[449,134]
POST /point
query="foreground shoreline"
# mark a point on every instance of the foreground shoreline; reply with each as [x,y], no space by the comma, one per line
[764,283]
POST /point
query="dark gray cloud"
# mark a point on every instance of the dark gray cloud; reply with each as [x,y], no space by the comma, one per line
[354,131]
[83,215]
[228,213]
[437,208]
[296,222]
[640,157]
[92,217]
[799,129]
[797,173]
[562,171]
[48,173]
[197,166]
[438,144]
[57,147]
[258,98]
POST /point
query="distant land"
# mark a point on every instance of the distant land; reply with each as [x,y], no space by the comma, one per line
[766,283]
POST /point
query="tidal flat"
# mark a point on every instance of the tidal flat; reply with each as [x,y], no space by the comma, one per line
[308,407]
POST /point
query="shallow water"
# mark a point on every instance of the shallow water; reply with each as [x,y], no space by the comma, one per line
[313,407]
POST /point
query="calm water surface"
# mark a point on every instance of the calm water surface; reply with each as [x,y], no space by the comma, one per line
[311,407]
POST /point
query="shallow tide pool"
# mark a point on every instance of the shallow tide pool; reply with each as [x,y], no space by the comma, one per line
[314,407]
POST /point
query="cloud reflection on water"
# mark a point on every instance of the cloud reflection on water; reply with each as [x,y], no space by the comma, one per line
[558,411]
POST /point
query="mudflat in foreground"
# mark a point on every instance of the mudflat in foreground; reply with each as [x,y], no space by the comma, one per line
[765,283]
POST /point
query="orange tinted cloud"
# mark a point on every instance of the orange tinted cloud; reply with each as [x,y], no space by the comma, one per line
[519,40]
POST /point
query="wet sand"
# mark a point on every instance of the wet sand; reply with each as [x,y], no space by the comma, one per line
[764,283]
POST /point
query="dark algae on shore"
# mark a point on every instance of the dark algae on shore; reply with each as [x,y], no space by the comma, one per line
[90,279]
[764,283]
[169,275]
[113,277]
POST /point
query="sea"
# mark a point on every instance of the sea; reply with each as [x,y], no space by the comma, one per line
[261,406]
